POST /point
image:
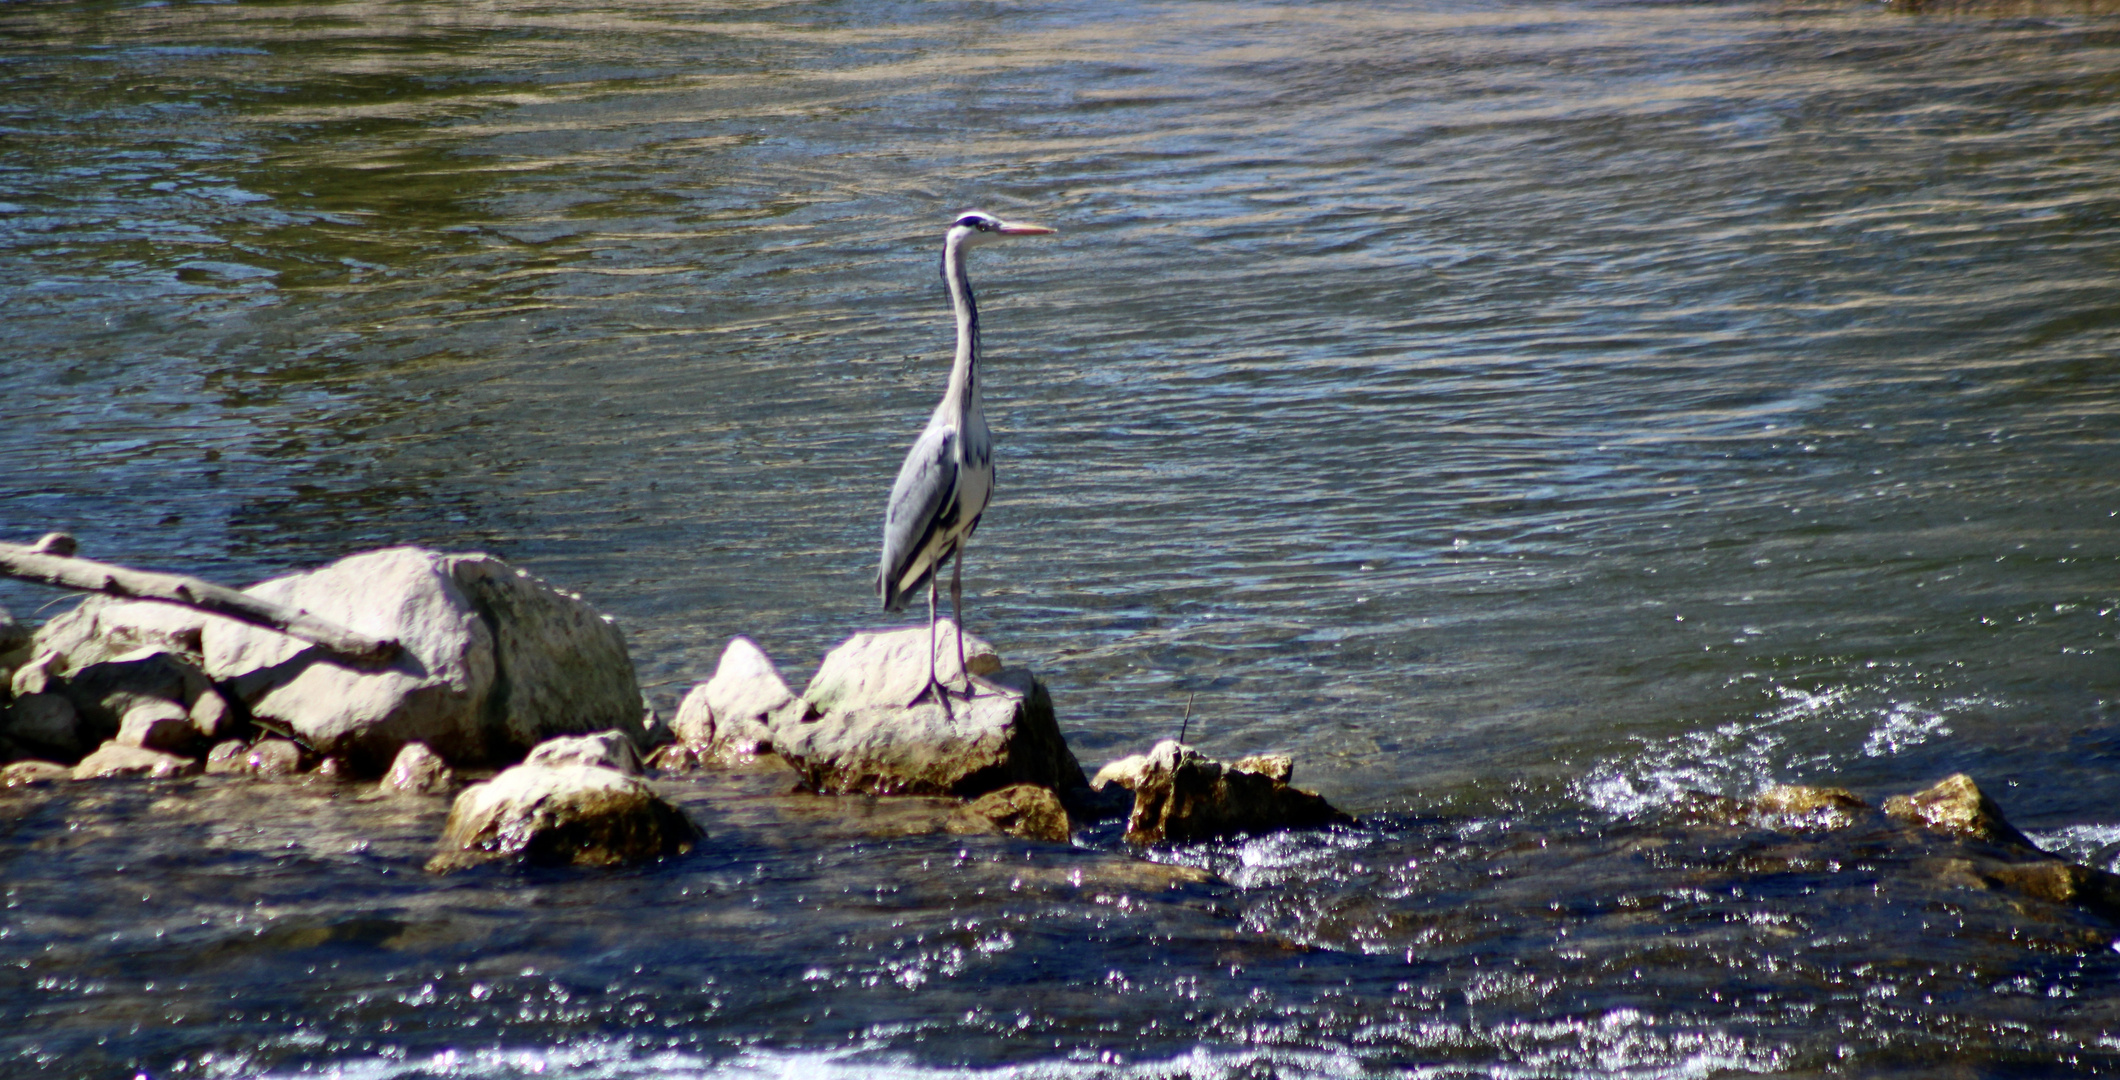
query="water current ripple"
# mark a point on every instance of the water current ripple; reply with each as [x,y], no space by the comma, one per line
[1523,413]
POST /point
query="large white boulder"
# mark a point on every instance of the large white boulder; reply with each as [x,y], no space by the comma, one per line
[494,660]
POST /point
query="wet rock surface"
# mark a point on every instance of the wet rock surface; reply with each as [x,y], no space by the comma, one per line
[1950,834]
[1025,810]
[1180,796]
[1956,805]
[582,815]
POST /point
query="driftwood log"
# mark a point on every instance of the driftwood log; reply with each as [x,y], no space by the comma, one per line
[51,562]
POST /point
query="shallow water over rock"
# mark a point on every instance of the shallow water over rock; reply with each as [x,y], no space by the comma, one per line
[1521,414]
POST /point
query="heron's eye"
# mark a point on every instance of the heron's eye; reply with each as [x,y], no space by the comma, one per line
[984,227]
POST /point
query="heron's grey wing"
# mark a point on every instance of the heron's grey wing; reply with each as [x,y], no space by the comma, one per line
[923,501]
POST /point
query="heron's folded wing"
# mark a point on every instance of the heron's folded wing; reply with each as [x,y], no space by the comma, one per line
[923,502]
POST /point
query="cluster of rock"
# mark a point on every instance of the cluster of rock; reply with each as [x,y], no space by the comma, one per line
[496,667]
[1999,857]
[858,729]
[493,662]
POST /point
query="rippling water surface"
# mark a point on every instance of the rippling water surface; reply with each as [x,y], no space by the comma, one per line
[1520,412]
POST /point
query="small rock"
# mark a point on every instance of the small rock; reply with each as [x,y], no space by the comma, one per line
[418,771]
[210,715]
[47,723]
[732,714]
[273,757]
[578,814]
[158,724]
[608,749]
[1024,810]
[1280,768]
[227,756]
[13,635]
[268,758]
[1783,807]
[1956,806]
[1802,807]
[1180,796]
[333,768]
[114,759]
[675,758]
[21,773]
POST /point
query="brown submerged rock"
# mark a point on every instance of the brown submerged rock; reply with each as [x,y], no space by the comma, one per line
[1786,807]
[1181,796]
[583,815]
[1025,810]
[1957,806]
[24,773]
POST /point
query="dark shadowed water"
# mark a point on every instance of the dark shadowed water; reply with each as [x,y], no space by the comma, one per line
[1519,412]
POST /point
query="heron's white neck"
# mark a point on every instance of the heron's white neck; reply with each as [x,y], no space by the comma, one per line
[964,373]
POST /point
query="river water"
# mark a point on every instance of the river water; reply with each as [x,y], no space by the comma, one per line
[1520,412]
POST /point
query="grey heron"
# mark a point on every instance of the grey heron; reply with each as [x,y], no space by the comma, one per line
[948,473]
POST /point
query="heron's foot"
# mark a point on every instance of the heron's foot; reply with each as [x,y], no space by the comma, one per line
[934,690]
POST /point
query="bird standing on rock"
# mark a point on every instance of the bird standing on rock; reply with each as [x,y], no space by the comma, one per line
[948,473]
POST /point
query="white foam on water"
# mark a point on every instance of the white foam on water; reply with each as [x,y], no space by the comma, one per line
[1744,757]
[2093,845]
[612,1060]
[1618,1044]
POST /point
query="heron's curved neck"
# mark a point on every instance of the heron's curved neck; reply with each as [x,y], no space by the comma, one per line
[964,373]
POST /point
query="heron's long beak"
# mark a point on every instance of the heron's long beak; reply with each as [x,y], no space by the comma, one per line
[1011,228]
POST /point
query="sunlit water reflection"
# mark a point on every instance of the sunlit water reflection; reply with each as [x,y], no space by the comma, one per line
[1521,413]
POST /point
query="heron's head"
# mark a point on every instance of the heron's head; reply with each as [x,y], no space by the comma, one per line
[975,227]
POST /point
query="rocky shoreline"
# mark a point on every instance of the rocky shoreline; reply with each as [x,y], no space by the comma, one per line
[528,692]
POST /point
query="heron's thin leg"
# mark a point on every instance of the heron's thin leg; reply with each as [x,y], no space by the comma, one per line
[957,613]
[972,683]
[933,685]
